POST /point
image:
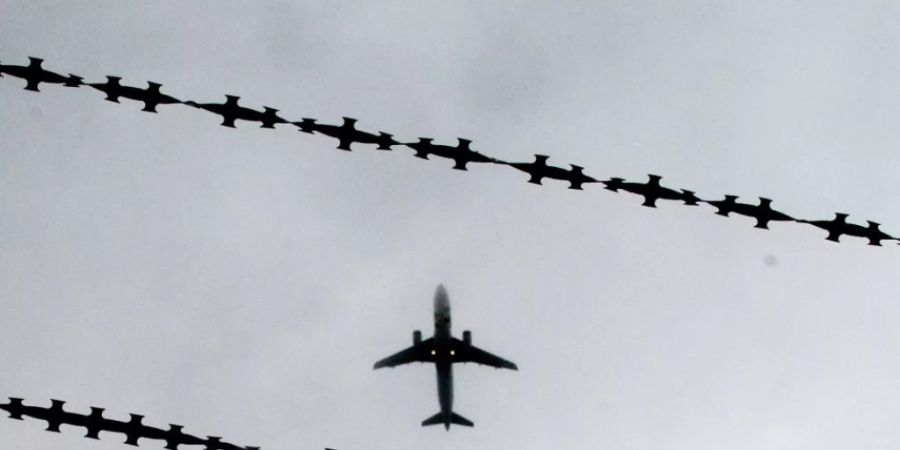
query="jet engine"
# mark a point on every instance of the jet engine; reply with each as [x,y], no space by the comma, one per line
[417,337]
[467,337]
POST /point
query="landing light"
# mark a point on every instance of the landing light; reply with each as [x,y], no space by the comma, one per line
[452,352]
[433,353]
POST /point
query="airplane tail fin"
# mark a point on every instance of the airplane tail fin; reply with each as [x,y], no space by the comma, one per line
[455,418]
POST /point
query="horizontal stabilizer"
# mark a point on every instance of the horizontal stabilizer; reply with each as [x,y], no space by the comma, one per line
[455,418]
[460,420]
[433,420]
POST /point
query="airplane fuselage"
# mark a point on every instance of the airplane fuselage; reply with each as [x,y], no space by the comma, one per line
[443,354]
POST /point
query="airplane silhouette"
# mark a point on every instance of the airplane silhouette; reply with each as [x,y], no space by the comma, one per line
[839,226]
[347,133]
[652,191]
[231,111]
[539,170]
[151,96]
[763,213]
[461,154]
[444,350]
[34,75]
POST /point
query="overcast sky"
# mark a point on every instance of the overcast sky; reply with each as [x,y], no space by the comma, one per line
[242,282]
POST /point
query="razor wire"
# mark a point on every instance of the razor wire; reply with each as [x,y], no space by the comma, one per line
[133,430]
[461,154]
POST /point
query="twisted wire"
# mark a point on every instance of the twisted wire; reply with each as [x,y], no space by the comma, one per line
[461,154]
[133,429]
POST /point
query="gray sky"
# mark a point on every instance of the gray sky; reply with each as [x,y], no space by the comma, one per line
[242,282]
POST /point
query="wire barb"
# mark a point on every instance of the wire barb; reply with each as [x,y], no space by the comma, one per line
[134,429]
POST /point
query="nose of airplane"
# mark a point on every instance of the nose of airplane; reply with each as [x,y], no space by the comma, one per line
[441,300]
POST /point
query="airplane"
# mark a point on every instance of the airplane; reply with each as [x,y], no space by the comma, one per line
[444,350]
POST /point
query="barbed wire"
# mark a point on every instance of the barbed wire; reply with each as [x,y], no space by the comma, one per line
[133,430]
[461,154]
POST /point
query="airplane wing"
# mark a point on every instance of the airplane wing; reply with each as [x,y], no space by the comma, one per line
[417,353]
[471,353]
